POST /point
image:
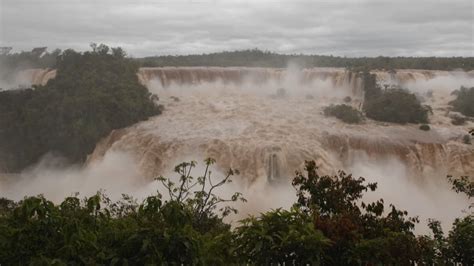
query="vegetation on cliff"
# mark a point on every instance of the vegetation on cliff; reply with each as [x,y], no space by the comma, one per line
[464,102]
[346,113]
[253,58]
[259,58]
[93,93]
[393,105]
[328,225]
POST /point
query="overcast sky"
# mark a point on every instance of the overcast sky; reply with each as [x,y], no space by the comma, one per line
[143,28]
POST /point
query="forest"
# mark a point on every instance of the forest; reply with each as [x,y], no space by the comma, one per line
[41,58]
[329,224]
[93,93]
[259,58]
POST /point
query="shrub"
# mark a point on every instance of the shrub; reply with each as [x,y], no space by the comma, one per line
[344,112]
[396,106]
[329,224]
[425,127]
[186,229]
[464,102]
[362,232]
[392,104]
[461,240]
[93,93]
[280,237]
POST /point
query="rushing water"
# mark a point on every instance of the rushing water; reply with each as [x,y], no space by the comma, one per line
[266,123]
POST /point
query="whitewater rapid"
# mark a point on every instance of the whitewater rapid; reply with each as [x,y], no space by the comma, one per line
[240,117]
[266,123]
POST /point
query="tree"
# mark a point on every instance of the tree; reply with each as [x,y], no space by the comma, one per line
[344,112]
[280,237]
[328,225]
[396,106]
[463,184]
[458,246]
[461,240]
[358,234]
[259,58]
[199,194]
[93,93]
[464,101]
[96,230]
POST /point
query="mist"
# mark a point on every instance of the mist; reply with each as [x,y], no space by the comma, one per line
[118,174]
[11,79]
[443,84]
[115,174]
[242,124]
[428,197]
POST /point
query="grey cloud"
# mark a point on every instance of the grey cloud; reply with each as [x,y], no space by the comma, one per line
[351,28]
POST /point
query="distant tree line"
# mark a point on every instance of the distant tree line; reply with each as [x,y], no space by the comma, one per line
[93,93]
[259,58]
[328,225]
[41,58]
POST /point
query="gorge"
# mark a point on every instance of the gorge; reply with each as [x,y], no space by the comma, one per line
[266,122]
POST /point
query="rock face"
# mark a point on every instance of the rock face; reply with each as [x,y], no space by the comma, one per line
[239,117]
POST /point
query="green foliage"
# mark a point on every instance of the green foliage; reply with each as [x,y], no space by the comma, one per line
[395,106]
[251,58]
[258,58]
[344,112]
[461,240]
[98,231]
[198,194]
[93,93]
[425,127]
[463,184]
[371,88]
[392,105]
[328,225]
[280,237]
[464,102]
[359,234]
[458,246]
